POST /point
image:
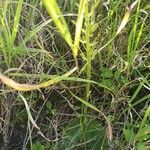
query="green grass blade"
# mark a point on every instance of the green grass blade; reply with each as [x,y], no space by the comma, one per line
[59,78]
[79,26]
[143,122]
[33,33]
[85,102]
[16,21]
[133,39]
[56,14]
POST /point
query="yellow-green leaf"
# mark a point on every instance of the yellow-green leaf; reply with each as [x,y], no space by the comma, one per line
[56,14]
[28,87]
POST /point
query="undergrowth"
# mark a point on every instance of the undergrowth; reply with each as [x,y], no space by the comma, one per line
[74,75]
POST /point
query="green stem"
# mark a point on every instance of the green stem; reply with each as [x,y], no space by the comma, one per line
[89,59]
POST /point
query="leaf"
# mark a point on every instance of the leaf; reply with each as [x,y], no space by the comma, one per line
[107,82]
[75,79]
[56,14]
[94,108]
[122,25]
[85,102]
[29,113]
[124,21]
[38,146]
[49,106]
[144,133]
[82,8]
[126,17]
[28,87]
[141,146]
[117,74]
[16,21]
[128,134]
[106,73]
[94,135]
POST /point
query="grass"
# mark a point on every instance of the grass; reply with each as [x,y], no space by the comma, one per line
[74,75]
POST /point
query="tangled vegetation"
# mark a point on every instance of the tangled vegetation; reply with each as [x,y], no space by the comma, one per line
[74,75]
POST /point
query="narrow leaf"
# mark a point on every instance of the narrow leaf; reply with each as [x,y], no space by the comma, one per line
[28,112]
[16,20]
[126,17]
[28,87]
[56,14]
[79,26]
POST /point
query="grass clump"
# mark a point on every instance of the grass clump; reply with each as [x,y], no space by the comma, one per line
[74,74]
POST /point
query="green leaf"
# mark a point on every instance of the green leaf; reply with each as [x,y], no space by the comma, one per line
[16,21]
[57,16]
[82,9]
[107,82]
[128,134]
[94,134]
[85,102]
[49,105]
[141,146]
[38,146]
[117,75]
[106,73]
[144,134]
